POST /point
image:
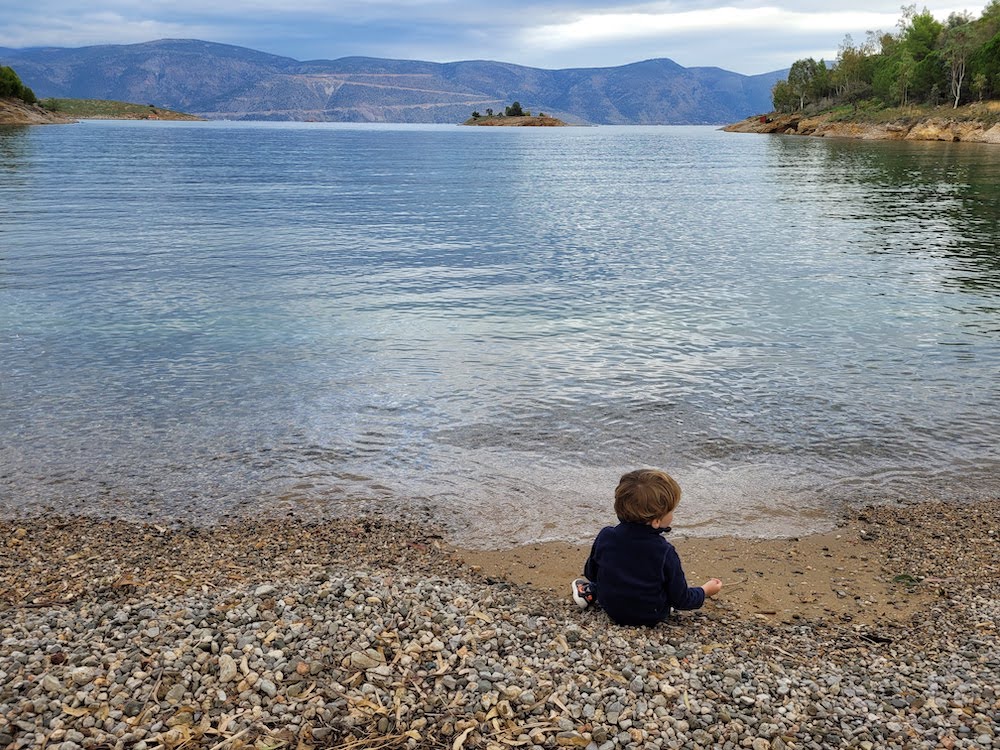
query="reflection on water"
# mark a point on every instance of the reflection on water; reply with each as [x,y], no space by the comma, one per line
[489,327]
[921,198]
[13,145]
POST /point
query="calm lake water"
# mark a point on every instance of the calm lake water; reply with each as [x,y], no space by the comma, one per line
[487,326]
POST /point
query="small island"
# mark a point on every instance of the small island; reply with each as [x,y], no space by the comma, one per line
[515,116]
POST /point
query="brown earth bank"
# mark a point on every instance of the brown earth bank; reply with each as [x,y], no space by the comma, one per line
[935,128]
[153,114]
[108,109]
[16,112]
[533,121]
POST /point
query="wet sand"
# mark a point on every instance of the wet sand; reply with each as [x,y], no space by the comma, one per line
[852,574]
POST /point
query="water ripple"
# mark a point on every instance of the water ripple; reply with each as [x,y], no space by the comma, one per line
[206,319]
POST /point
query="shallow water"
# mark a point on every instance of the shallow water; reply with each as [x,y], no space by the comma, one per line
[488,326]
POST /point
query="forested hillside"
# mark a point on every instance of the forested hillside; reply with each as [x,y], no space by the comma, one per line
[12,87]
[925,61]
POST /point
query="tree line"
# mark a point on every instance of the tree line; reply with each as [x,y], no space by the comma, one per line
[925,61]
[514,110]
[11,86]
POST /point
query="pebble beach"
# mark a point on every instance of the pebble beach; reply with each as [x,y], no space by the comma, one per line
[278,633]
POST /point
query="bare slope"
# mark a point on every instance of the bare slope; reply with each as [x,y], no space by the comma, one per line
[223,81]
[16,112]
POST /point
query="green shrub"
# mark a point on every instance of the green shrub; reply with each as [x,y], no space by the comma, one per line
[11,86]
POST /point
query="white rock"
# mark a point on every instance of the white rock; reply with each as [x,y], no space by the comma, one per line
[227,669]
[83,675]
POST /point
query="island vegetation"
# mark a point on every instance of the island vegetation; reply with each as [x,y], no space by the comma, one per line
[513,114]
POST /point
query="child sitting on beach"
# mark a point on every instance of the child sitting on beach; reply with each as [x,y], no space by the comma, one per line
[633,573]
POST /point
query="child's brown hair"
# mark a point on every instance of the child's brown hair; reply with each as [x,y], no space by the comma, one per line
[645,495]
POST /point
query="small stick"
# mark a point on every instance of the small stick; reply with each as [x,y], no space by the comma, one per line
[240,733]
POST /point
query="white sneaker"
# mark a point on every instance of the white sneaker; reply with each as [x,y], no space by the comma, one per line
[582,594]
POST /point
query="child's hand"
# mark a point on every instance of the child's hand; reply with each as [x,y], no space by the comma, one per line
[712,586]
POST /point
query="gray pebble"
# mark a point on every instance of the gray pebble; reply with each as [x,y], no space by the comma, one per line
[407,654]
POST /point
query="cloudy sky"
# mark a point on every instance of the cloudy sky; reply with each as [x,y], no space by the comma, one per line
[745,36]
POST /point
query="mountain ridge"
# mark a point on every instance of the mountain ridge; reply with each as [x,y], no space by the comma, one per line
[223,81]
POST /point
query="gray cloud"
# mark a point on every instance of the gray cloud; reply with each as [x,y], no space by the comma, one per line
[747,36]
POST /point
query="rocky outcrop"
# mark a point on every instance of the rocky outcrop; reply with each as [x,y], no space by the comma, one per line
[930,129]
[16,112]
[943,130]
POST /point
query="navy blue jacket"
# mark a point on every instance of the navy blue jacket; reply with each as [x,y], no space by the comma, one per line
[638,575]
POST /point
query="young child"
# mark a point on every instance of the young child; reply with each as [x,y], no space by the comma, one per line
[633,573]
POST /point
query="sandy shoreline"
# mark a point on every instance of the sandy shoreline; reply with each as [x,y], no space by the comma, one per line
[841,575]
[850,574]
[364,633]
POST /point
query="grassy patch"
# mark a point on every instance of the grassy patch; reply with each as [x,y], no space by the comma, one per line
[910,581]
[870,111]
[106,109]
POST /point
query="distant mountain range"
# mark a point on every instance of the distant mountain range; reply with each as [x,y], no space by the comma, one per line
[221,81]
